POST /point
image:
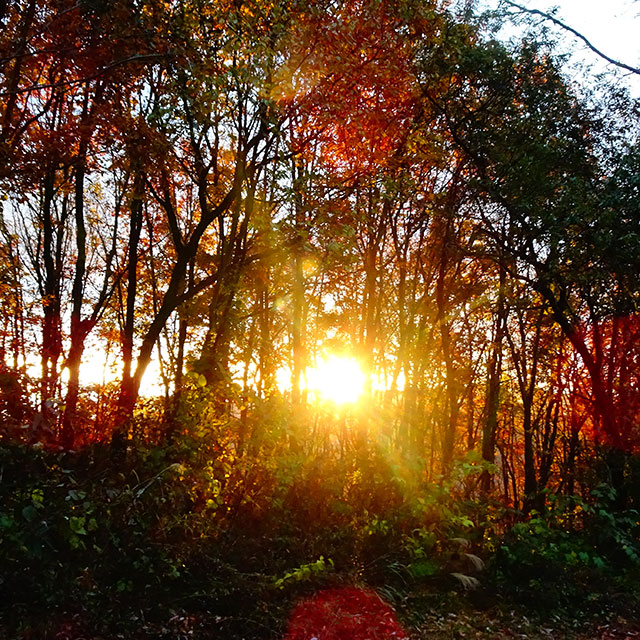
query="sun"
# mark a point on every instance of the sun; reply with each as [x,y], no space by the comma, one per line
[338,379]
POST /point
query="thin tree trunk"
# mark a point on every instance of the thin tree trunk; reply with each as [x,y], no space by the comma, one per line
[493,388]
[79,330]
[448,441]
[129,386]
[298,354]
[51,334]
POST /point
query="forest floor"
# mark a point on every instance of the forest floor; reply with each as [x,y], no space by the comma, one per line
[457,616]
[96,553]
[460,617]
[492,624]
[496,623]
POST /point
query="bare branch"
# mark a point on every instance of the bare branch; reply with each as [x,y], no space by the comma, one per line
[551,18]
[88,78]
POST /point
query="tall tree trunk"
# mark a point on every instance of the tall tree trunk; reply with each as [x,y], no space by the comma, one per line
[530,479]
[51,330]
[493,387]
[265,367]
[298,347]
[128,393]
[214,356]
[79,329]
[452,406]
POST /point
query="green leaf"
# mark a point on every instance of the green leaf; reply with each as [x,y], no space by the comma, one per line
[75,541]
[37,498]
[29,512]
[76,524]
[76,494]
[5,521]
[423,568]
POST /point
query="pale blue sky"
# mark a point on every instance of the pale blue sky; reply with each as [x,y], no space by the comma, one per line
[613,26]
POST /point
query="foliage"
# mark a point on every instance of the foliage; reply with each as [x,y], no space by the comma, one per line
[186,527]
[304,572]
[196,531]
[570,550]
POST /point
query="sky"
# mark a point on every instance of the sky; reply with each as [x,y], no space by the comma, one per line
[612,26]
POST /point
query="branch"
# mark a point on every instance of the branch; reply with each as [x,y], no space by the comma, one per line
[198,288]
[577,34]
[94,76]
[194,290]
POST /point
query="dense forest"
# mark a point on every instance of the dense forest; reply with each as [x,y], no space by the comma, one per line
[381,270]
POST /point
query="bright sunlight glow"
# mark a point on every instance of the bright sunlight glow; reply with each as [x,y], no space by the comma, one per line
[337,378]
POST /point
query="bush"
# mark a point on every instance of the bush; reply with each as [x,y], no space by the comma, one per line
[571,551]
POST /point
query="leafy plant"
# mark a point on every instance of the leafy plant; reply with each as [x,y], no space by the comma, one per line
[305,572]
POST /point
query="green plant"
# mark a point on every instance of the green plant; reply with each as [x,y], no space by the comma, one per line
[570,548]
[305,572]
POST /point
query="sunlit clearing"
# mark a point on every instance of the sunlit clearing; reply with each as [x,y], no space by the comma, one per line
[151,385]
[338,379]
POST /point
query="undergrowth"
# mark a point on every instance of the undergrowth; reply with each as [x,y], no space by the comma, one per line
[203,539]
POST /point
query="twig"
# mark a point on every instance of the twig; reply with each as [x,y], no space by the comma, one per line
[577,34]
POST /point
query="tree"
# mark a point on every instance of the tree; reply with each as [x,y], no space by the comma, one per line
[210,119]
[539,167]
